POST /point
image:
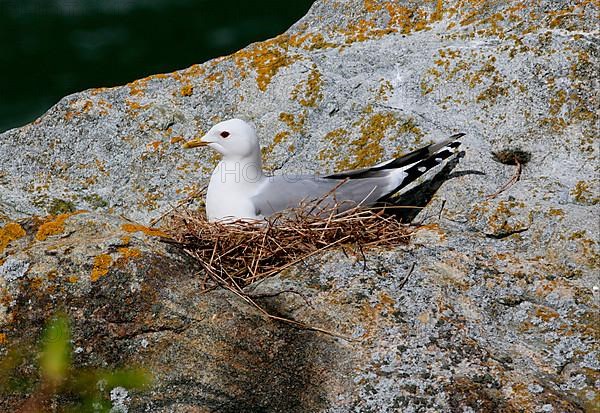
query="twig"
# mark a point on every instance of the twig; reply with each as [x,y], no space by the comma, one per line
[513,179]
[405,280]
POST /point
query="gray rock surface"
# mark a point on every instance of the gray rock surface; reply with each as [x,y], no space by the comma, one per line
[501,310]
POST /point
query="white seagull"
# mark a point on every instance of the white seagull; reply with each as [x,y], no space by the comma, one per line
[240,190]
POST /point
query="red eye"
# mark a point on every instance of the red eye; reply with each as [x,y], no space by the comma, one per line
[224,134]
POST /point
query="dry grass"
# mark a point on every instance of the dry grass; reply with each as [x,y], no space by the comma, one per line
[236,254]
[239,253]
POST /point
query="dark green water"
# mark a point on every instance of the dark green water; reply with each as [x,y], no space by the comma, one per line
[51,48]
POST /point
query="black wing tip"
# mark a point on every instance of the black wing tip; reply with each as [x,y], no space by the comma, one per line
[457,135]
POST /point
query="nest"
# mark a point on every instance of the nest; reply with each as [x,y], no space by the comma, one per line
[235,254]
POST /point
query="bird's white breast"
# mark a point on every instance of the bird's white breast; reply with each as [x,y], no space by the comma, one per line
[229,193]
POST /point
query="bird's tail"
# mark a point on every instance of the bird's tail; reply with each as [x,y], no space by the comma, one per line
[417,163]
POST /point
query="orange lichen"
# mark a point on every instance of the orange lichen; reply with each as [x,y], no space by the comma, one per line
[584,194]
[309,88]
[317,41]
[155,145]
[3,339]
[546,313]
[128,254]
[336,137]
[214,78]
[100,267]
[187,90]
[78,107]
[135,105]
[136,88]
[401,19]
[54,227]
[192,71]
[295,124]
[279,137]
[10,232]
[73,279]
[153,232]
[438,12]
[367,148]
[267,58]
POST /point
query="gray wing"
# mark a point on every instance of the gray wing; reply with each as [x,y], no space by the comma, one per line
[351,188]
[290,191]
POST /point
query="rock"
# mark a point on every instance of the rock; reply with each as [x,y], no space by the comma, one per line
[501,299]
[136,301]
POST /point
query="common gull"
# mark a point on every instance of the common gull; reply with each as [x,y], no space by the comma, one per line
[239,188]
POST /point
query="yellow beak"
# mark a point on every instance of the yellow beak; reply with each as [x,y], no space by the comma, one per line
[194,143]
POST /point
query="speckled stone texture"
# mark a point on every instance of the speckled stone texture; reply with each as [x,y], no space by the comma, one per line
[501,310]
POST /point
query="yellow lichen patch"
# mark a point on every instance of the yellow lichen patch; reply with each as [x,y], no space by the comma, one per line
[383,93]
[54,226]
[176,139]
[557,102]
[154,145]
[100,267]
[153,232]
[192,71]
[406,19]
[266,58]
[77,107]
[317,41]
[492,93]
[294,123]
[214,78]
[10,232]
[135,106]
[438,13]
[367,148]
[400,19]
[582,193]
[487,70]
[556,212]
[127,254]
[186,90]
[546,313]
[279,137]
[3,339]
[335,138]
[136,88]
[505,219]
[308,92]
[73,279]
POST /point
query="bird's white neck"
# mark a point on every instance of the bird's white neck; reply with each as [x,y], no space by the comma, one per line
[242,172]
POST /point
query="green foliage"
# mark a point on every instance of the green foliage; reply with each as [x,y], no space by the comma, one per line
[55,357]
[60,206]
[95,201]
[86,389]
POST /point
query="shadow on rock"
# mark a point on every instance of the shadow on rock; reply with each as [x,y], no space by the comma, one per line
[419,196]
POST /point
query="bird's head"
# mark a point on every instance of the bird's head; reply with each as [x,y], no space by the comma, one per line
[233,138]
